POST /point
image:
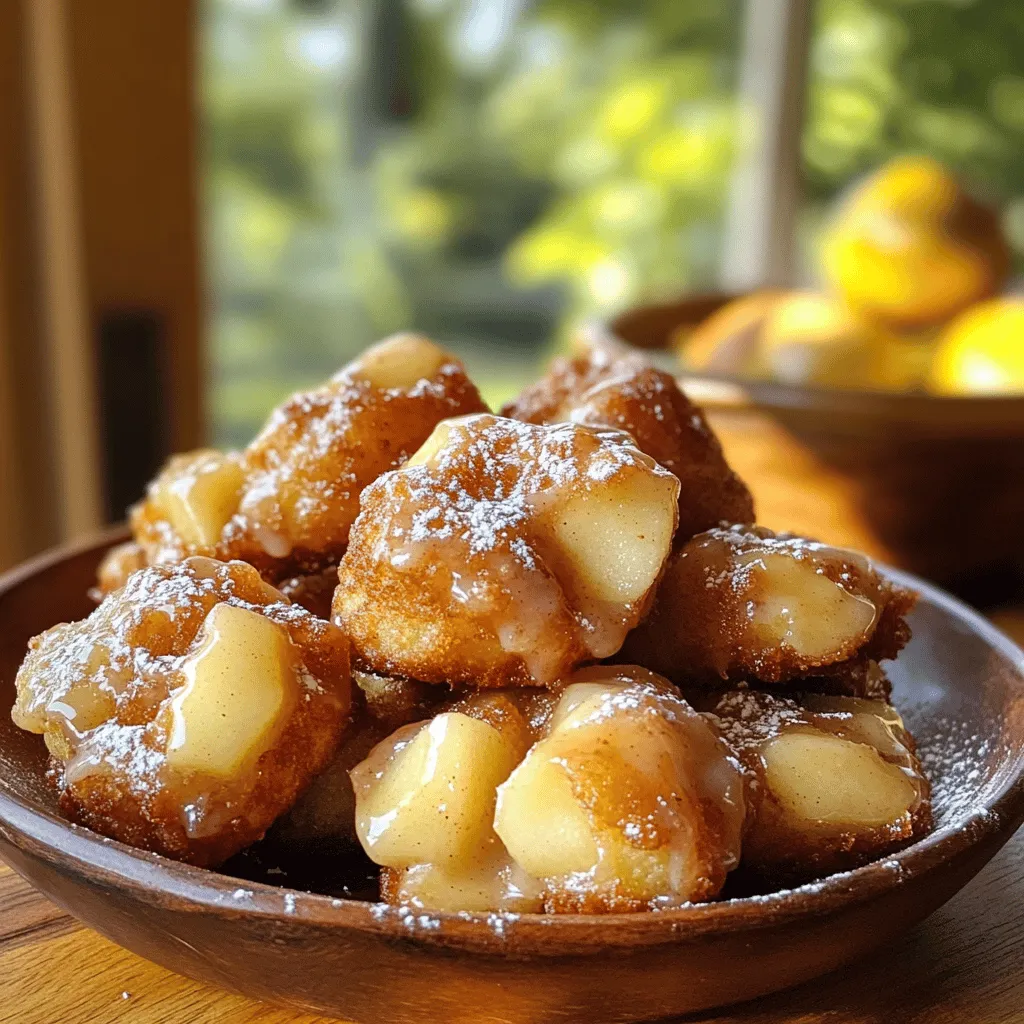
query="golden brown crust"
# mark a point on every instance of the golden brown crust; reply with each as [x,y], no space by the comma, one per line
[623,392]
[714,620]
[124,664]
[303,474]
[861,677]
[117,565]
[777,852]
[610,899]
[453,574]
[391,885]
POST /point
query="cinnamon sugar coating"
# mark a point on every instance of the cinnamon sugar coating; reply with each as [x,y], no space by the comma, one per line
[505,554]
[622,392]
[832,782]
[745,604]
[286,503]
[188,710]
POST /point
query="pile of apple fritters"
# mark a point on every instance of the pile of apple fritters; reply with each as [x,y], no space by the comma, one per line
[537,661]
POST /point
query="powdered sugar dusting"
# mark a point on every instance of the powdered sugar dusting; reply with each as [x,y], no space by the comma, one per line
[490,476]
[483,520]
[952,755]
[410,918]
[746,718]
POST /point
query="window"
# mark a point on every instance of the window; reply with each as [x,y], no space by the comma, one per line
[486,171]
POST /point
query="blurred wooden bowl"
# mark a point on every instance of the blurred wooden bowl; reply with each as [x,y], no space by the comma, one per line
[960,682]
[931,484]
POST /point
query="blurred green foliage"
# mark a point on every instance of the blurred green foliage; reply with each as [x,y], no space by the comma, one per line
[490,171]
[943,77]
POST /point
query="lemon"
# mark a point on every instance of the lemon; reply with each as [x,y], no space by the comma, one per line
[982,351]
[909,248]
[804,337]
[810,338]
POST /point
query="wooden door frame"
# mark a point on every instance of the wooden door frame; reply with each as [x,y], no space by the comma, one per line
[71,370]
[98,219]
[28,519]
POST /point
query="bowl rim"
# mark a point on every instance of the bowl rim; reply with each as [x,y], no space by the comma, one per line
[159,881]
[1002,413]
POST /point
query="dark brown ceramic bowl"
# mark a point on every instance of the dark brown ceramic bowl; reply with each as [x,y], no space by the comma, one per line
[932,484]
[960,684]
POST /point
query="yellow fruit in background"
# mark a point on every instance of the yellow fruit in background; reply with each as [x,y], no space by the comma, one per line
[909,248]
[982,351]
[810,338]
[803,337]
[899,362]
[728,341]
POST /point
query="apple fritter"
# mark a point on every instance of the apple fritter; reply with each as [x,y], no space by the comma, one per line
[286,503]
[622,392]
[188,710]
[744,604]
[505,553]
[630,801]
[834,782]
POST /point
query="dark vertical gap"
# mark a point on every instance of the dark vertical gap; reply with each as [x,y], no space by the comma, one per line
[133,411]
[384,90]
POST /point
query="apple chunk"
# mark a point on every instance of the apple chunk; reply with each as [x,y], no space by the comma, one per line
[541,822]
[828,781]
[199,493]
[400,362]
[801,608]
[241,681]
[609,544]
[426,794]
[425,454]
[489,881]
